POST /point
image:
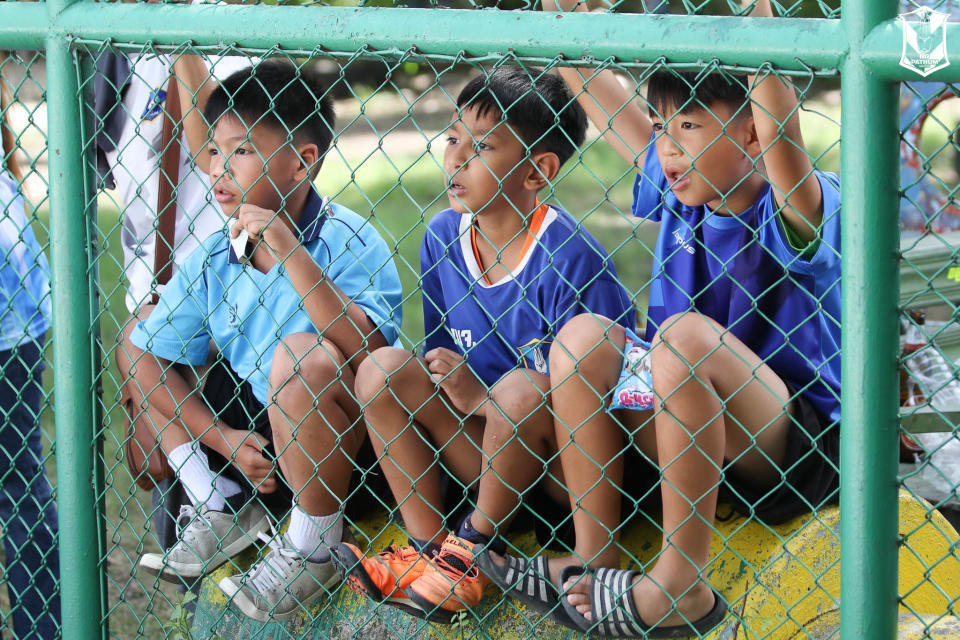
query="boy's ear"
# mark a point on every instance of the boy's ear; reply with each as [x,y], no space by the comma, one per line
[749,140]
[544,167]
[308,155]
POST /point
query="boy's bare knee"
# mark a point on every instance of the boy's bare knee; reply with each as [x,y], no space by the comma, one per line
[307,360]
[688,336]
[586,340]
[516,397]
[684,342]
[381,369]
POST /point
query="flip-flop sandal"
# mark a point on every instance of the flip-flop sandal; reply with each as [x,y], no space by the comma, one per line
[527,581]
[615,614]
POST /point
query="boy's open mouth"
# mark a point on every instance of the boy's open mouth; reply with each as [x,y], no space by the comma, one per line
[222,195]
[677,178]
[455,188]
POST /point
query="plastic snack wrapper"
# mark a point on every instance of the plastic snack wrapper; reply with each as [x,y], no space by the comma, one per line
[634,389]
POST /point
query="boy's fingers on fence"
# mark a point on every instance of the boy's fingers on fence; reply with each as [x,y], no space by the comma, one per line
[758,8]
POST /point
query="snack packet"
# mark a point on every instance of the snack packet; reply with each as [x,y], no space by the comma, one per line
[634,389]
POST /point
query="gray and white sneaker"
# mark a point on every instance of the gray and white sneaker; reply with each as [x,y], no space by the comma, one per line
[281,585]
[206,539]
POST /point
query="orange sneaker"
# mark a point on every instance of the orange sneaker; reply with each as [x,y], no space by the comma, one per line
[382,577]
[450,583]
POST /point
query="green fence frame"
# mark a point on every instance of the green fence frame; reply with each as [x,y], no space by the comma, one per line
[864,46]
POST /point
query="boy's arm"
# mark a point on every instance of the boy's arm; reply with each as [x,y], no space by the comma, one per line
[610,107]
[339,320]
[788,167]
[170,395]
[335,316]
[196,83]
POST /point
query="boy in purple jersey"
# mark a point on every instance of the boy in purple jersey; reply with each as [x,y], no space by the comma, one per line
[744,324]
[501,273]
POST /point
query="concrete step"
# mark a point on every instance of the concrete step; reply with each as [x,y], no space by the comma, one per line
[780,583]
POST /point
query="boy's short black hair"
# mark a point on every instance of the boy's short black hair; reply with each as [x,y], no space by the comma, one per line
[537,105]
[685,91]
[291,99]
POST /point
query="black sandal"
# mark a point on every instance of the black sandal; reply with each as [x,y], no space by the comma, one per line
[615,614]
[529,582]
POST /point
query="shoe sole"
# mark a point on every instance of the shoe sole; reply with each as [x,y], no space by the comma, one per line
[350,568]
[431,611]
[177,573]
[236,597]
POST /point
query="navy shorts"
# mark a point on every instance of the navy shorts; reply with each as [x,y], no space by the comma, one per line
[232,400]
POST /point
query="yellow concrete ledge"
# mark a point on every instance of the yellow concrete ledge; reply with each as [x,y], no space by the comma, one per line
[781,583]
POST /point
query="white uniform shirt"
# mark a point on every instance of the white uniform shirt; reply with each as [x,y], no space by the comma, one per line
[135,166]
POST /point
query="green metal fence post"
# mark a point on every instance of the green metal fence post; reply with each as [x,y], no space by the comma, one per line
[870,337]
[73,378]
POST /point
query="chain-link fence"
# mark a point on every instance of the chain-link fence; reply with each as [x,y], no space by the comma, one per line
[529,323]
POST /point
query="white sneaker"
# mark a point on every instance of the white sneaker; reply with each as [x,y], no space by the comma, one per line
[282,584]
[206,539]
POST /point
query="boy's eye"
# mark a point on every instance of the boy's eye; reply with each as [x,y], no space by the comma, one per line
[658,126]
[686,124]
[452,140]
[482,146]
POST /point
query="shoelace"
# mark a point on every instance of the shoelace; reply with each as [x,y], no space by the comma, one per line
[194,518]
[455,567]
[267,574]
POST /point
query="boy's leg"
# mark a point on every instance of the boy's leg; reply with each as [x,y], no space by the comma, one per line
[28,515]
[519,447]
[145,416]
[585,363]
[716,400]
[316,430]
[187,461]
[209,530]
[409,422]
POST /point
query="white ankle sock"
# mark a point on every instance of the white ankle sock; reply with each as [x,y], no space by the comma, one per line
[313,536]
[192,468]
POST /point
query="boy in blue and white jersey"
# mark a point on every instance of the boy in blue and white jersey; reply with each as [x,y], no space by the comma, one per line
[744,347]
[292,296]
[501,273]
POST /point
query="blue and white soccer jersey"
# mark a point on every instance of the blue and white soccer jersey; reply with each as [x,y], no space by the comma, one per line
[247,312]
[742,272]
[503,325]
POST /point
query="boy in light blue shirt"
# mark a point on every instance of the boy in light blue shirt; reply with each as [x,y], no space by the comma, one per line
[293,296]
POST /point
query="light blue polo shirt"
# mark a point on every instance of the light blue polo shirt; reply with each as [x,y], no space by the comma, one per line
[24,272]
[246,312]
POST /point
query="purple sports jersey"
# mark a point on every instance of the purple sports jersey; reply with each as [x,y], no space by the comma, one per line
[742,272]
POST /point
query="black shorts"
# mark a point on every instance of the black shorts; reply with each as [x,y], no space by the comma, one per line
[553,522]
[811,467]
[232,400]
